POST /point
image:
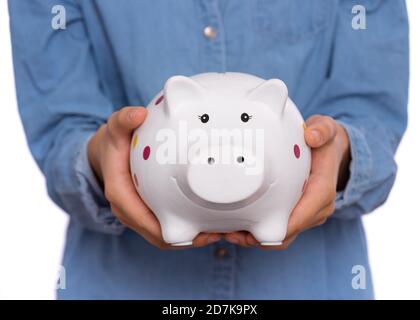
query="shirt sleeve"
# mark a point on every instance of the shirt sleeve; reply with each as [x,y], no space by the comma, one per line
[61,103]
[366,91]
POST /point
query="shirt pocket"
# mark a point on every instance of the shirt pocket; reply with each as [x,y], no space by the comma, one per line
[293,20]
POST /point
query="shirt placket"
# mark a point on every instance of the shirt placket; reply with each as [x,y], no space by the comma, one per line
[222,254]
[223,257]
[213,43]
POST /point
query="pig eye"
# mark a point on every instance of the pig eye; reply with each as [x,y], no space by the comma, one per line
[204,118]
[245,117]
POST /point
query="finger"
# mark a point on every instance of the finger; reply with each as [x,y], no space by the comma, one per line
[320,130]
[320,190]
[324,214]
[286,244]
[237,237]
[315,221]
[320,218]
[242,238]
[205,238]
[121,123]
[250,239]
[152,231]
[319,193]
[121,193]
[130,223]
[155,238]
[134,213]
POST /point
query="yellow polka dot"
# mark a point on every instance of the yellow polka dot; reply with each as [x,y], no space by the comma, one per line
[136,138]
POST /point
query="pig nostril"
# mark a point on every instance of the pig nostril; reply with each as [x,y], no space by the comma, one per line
[240,159]
[210,161]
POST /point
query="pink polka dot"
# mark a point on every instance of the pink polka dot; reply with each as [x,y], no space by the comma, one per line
[296,150]
[159,100]
[135,180]
[304,186]
[146,152]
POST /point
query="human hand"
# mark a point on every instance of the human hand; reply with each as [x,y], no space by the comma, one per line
[108,154]
[329,172]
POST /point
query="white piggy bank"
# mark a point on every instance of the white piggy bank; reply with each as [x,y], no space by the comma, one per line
[221,152]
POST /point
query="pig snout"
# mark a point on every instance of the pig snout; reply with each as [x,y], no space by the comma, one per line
[224,177]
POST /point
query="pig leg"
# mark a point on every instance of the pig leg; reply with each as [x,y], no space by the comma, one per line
[177,232]
[272,230]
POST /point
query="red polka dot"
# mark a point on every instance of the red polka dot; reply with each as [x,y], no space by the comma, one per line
[146,152]
[296,150]
[159,100]
[135,180]
[304,186]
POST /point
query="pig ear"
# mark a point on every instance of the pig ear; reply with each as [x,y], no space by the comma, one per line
[272,93]
[179,91]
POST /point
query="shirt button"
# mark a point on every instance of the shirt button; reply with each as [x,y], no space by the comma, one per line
[221,253]
[209,32]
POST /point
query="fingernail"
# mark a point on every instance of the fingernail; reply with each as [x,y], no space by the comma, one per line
[213,238]
[316,136]
[132,114]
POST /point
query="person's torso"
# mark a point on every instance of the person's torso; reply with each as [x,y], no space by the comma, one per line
[137,45]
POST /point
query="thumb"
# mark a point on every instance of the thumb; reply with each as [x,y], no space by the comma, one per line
[121,123]
[320,130]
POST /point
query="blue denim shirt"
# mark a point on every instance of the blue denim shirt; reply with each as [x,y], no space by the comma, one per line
[114,54]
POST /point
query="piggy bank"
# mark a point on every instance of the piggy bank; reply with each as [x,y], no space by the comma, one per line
[221,152]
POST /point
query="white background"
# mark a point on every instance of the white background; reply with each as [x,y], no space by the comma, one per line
[32,228]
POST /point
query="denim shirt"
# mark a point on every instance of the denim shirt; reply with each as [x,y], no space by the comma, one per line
[117,53]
